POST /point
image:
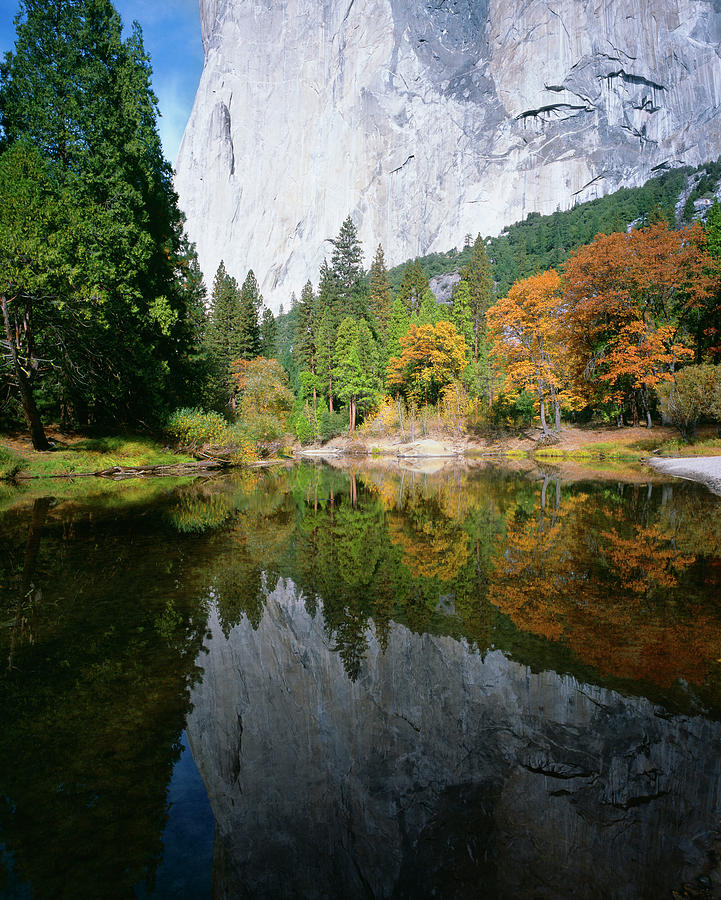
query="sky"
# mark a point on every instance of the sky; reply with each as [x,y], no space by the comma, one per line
[171,32]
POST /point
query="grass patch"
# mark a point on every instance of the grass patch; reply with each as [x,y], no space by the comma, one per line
[95,455]
[598,451]
[612,450]
[10,463]
[708,447]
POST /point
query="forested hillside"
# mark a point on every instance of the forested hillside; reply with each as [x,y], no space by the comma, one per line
[541,242]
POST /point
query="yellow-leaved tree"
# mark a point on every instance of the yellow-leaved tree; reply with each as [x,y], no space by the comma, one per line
[432,356]
[528,337]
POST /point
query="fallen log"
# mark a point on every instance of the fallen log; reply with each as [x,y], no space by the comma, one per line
[168,470]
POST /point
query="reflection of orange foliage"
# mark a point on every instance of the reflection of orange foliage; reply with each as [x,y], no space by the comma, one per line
[603,594]
[435,550]
[434,543]
[646,560]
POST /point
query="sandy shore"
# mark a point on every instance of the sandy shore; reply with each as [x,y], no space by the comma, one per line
[706,469]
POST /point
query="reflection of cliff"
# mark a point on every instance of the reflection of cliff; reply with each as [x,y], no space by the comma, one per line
[437,770]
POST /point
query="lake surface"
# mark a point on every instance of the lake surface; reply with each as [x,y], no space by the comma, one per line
[367,682]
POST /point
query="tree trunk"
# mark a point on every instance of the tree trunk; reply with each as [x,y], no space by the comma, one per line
[330,393]
[647,412]
[351,413]
[30,410]
[557,411]
[544,426]
[353,490]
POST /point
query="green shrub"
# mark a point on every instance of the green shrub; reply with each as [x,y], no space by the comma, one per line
[261,428]
[332,424]
[303,428]
[197,428]
[10,463]
[694,394]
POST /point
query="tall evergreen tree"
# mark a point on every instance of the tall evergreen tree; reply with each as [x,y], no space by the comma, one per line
[397,328]
[708,319]
[413,286]
[306,336]
[355,368]
[268,334]
[325,359]
[328,316]
[380,300]
[461,314]
[225,336]
[428,312]
[347,266]
[477,274]
[81,96]
[250,303]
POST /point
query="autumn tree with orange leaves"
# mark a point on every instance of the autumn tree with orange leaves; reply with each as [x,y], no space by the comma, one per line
[432,356]
[632,300]
[528,331]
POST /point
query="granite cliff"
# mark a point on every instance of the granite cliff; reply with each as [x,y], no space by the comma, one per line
[438,772]
[427,121]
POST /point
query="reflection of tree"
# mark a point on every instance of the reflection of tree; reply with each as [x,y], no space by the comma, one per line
[243,565]
[95,701]
[434,545]
[604,575]
[380,547]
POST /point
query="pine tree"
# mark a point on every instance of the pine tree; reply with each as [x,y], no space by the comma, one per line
[306,335]
[268,334]
[325,350]
[479,278]
[225,331]
[380,300]
[81,96]
[413,286]
[461,314]
[355,368]
[428,311]
[250,302]
[328,316]
[397,329]
[347,267]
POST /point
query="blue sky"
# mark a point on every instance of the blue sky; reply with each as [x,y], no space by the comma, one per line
[171,31]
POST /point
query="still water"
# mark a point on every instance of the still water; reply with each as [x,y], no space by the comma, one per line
[319,682]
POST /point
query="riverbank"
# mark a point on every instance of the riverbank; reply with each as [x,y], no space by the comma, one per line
[591,448]
[606,443]
[76,455]
[706,470]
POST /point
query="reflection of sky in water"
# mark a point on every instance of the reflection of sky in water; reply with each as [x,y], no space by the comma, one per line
[186,869]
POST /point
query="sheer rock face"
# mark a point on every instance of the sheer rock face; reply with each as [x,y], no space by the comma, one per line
[438,772]
[428,121]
